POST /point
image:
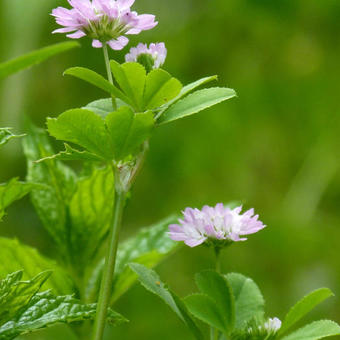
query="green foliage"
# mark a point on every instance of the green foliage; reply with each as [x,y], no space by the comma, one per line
[151,281]
[12,191]
[103,106]
[249,302]
[196,102]
[304,306]
[216,287]
[23,309]
[6,135]
[21,257]
[33,58]
[314,331]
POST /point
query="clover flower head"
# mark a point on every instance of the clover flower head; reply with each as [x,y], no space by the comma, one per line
[218,224]
[272,325]
[104,21]
[155,54]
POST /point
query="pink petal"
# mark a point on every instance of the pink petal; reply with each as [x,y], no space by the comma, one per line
[96,44]
[118,44]
[76,35]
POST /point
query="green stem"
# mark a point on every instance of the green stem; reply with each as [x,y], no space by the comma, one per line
[107,280]
[109,73]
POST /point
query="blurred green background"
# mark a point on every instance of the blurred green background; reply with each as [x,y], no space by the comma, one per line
[275,147]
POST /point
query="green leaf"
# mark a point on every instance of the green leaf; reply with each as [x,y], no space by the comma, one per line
[196,102]
[104,106]
[45,310]
[205,309]
[217,288]
[97,80]
[33,58]
[314,331]
[151,281]
[90,213]
[12,191]
[128,130]
[50,202]
[304,306]
[14,294]
[17,256]
[249,302]
[160,88]
[149,247]
[84,128]
[6,135]
[131,79]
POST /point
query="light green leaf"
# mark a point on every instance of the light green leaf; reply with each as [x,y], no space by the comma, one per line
[128,130]
[304,306]
[217,288]
[131,79]
[97,80]
[249,302]
[160,88]
[196,102]
[84,128]
[12,191]
[315,330]
[205,309]
[103,107]
[151,281]
[16,256]
[6,135]
[45,310]
[33,58]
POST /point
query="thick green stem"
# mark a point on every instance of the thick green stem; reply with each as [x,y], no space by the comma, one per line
[109,73]
[107,280]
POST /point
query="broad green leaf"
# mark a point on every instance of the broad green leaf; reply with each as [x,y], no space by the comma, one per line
[16,256]
[217,288]
[151,281]
[90,213]
[196,102]
[103,107]
[304,306]
[160,88]
[12,191]
[95,79]
[33,58]
[205,309]
[84,128]
[6,135]
[45,310]
[128,130]
[131,79]
[14,294]
[249,302]
[50,202]
[315,330]
[149,247]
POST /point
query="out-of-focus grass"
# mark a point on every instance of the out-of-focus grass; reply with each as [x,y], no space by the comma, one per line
[275,147]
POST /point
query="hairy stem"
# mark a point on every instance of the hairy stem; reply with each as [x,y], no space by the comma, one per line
[109,73]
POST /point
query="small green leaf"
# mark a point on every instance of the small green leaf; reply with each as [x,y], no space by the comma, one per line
[103,107]
[33,58]
[131,79]
[84,128]
[128,130]
[304,306]
[6,135]
[196,102]
[315,330]
[45,310]
[151,281]
[217,288]
[13,191]
[249,302]
[95,79]
[205,309]
[160,88]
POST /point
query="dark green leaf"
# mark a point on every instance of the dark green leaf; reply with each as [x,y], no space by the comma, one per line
[304,306]
[6,135]
[34,58]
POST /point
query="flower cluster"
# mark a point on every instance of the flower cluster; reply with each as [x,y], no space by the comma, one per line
[272,325]
[154,55]
[217,223]
[104,21]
